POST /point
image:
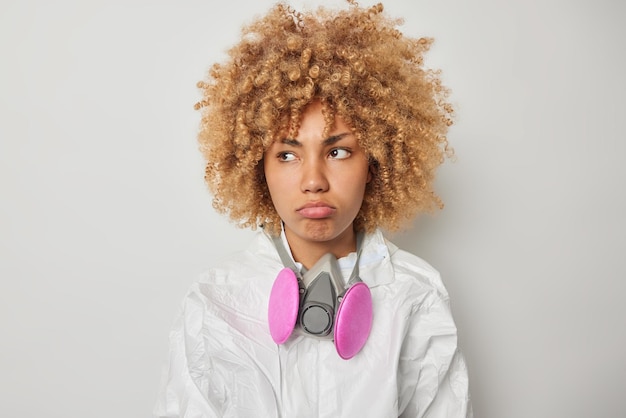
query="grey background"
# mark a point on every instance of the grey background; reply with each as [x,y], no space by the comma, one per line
[105,221]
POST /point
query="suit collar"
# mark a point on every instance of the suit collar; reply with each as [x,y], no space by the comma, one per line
[375,265]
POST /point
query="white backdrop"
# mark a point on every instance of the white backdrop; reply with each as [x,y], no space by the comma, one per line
[105,221]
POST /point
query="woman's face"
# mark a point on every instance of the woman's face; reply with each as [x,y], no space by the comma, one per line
[317,183]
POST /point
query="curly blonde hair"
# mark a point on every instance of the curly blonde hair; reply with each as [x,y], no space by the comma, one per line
[362,69]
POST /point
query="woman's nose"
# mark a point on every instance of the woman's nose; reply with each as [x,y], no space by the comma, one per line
[314,179]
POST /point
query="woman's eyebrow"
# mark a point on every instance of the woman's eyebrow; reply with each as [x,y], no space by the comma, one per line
[328,141]
[335,138]
[292,142]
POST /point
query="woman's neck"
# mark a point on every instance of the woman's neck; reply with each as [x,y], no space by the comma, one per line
[307,252]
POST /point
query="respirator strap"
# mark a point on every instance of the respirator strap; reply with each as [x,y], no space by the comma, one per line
[285,257]
[354,276]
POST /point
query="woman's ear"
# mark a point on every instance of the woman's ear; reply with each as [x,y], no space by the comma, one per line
[372,170]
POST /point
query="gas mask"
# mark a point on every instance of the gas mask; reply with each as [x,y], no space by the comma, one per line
[318,303]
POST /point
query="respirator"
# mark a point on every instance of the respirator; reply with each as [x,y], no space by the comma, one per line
[318,302]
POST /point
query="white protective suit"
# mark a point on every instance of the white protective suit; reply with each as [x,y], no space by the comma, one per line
[224,363]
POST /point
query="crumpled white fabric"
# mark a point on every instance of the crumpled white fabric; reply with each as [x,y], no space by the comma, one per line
[223,362]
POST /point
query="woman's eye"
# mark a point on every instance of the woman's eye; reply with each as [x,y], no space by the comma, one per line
[286,156]
[339,153]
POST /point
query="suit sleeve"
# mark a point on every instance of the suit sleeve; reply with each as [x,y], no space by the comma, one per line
[432,375]
[184,386]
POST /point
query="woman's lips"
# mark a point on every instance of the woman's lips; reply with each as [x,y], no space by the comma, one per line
[316,210]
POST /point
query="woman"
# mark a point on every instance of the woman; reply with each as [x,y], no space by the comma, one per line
[321,128]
